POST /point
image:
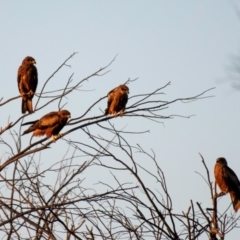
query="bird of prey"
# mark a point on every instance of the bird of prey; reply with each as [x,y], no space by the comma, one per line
[50,124]
[227,181]
[117,100]
[27,79]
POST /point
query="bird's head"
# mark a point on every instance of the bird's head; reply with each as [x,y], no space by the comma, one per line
[124,89]
[221,160]
[65,113]
[29,60]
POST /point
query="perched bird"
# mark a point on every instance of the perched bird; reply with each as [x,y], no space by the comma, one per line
[50,124]
[227,181]
[117,100]
[27,79]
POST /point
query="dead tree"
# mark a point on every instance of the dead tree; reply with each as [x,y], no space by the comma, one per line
[47,196]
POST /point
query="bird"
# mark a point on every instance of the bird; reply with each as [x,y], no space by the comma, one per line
[27,79]
[117,100]
[227,181]
[50,124]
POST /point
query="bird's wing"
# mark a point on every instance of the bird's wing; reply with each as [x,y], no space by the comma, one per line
[32,74]
[111,96]
[49,120]
[27,123]
[19,75]
[231,178]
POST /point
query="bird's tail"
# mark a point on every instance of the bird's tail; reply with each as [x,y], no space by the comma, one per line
[24,106]
[29,106]
[107,111]
[237,206]
[235,200]
[30,129]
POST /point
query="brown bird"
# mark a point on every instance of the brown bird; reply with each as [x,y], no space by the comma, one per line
[50,124]
[227,181]
[27,83]
[117,100]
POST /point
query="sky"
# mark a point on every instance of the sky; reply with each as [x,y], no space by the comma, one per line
[192,44]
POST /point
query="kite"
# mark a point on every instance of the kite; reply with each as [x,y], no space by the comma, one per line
[227,181]
[117,100]
[50,124]
[27,83]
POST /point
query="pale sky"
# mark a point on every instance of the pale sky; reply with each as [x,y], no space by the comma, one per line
[190,43]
